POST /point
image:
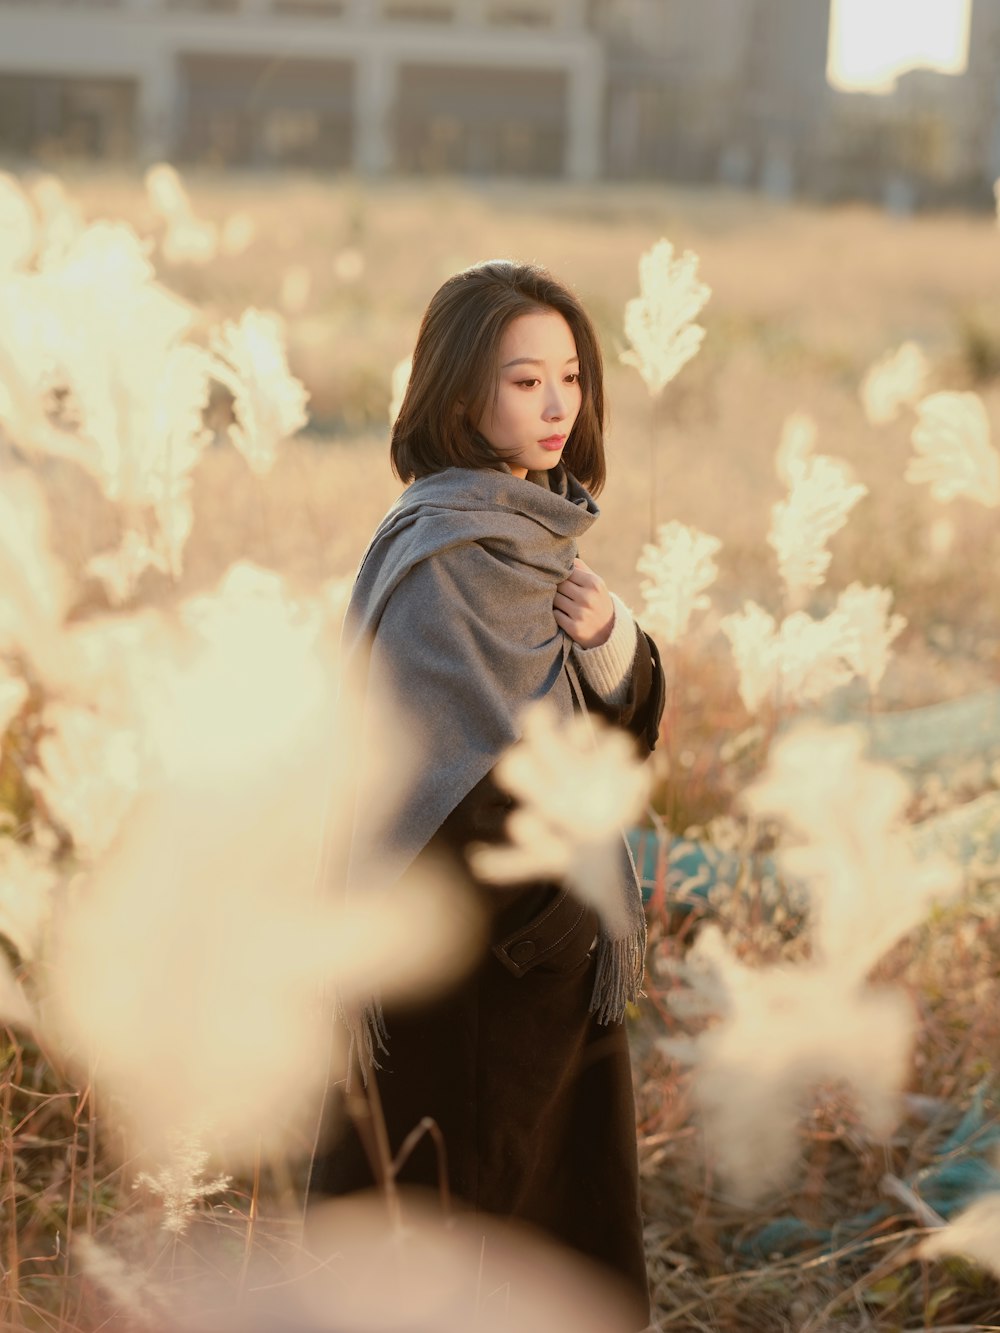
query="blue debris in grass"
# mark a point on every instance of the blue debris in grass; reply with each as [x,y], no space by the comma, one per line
[960,1174]
[918,741]
[692,869]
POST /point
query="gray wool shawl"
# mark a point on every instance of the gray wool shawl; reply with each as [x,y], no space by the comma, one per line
[453,602]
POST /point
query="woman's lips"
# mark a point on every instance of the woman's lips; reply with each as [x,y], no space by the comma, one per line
[553,442]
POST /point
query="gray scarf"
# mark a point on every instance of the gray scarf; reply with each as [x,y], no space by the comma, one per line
[453,603]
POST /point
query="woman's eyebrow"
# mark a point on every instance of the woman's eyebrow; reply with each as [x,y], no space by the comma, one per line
[532,361]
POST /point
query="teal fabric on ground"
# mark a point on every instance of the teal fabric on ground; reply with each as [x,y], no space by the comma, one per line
[917,741]
[961,1173]
[689,869]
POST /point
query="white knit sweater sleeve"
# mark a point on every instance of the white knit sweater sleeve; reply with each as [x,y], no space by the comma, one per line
[607,666]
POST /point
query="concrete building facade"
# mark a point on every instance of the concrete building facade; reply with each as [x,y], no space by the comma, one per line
[728,91]
[479,85]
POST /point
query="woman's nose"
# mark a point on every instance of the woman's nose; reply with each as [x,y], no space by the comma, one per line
[555,407]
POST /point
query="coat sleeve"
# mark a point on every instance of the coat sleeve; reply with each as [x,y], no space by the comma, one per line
[641,709]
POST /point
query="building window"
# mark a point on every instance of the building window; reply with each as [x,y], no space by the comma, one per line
[417,13]
[475,120]
[289,135]
[207,6]
[520,16]
[257,111]
[74,4]
[325,9]
[50,117]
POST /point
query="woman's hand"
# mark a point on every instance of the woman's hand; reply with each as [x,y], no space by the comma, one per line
[583,607]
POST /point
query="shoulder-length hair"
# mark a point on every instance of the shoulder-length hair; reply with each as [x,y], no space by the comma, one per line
[456,372]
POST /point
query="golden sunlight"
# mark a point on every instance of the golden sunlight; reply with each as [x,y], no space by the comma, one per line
[872,42]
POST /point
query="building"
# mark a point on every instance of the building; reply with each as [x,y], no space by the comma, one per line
[728,90]
[474,85]
[687,90]
[934,139]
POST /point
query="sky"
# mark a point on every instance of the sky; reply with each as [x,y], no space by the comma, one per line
[872,41]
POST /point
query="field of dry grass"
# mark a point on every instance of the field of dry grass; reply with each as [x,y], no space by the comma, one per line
[803,301]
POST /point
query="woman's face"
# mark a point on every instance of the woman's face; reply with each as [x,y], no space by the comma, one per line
[539,394]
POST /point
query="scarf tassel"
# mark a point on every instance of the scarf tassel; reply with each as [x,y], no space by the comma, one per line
[618,978]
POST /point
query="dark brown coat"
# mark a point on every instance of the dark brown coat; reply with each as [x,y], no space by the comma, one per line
[532,1095]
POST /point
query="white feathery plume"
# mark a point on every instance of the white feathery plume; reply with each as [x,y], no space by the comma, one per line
[400,379]
[814,656]
[820,497]
[335,595]
[88,774]
[94,324]
[111,258]
[896,379]
[974,1233]
[752,636]
[150,436]
[61,221]
[941,535]
[867,610]
[786,1028]
[800,661]
[139,392]
[798,441]
[30,333]
[120,667]
[120,568]
[17,226]
[35,586]
[954,452]
[847,814]
[678,568]
[239,231]
[165,190]
[190,240]
[15,1008]
[348,264]
[84,323]
[13,694]
[135,1295]
[174,520]
[659,321]
[780,1032]
[268,401]
[578,785]
[180,1181]
[27,885]
[252,750]
[187,239]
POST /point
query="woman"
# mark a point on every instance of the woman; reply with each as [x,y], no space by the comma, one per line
[473,599]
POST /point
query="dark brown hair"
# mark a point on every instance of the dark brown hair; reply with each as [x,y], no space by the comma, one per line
[457,362]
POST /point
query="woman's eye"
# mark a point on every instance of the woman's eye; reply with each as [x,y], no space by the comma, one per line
[573,378]
[528,384]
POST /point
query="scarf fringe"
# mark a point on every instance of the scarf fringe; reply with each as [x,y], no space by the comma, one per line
[618,978]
